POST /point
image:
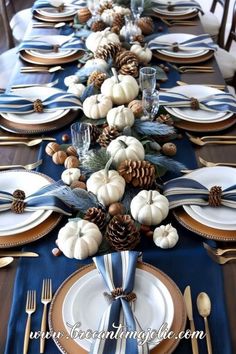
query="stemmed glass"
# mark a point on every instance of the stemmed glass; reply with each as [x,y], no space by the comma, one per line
[150,102]
[147,78]
[93,6]
[80,135]
[137,7]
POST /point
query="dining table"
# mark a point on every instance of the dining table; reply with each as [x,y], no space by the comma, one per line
[186,264]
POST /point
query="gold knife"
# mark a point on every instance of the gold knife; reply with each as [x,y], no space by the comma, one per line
[188,302]
[18,254]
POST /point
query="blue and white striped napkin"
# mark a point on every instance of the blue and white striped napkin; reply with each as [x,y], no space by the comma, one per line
[201,42]
[222,102]
[118,272]
[73,43]
[77,4]
[173,5]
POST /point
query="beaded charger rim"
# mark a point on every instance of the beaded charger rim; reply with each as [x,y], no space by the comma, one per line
[68,345]
[206,127]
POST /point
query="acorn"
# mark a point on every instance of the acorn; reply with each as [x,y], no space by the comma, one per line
[78,184]
[116,208]
[51,148]
[65,138]
[169,149]
[71,151]
[59,157]
[56,252]
[71,162]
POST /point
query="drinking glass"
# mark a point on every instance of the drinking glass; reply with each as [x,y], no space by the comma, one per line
[80,135]
[93,6]
[137,7]
[147,79]
[150,102]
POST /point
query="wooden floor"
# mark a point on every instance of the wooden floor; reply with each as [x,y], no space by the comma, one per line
[18,5]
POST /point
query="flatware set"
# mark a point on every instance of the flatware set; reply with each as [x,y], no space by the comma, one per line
[218,139]
[192,68]
[30,308]
[188,302]
[217,254]
[213,164]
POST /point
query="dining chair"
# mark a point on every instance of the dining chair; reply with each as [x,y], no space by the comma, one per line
[19,24]
[6,26]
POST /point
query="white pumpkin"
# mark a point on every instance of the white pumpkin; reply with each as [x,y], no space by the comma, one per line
[76,89]
[120,117]
[149,207]
[97,106]
[71,79]
[121,88]
[108,186]
[70,175]
[165,236]
[97,64]
[96,39]
[125,148]
[79,239]
[108,16]
[125,11]
[131,30]
[144,54]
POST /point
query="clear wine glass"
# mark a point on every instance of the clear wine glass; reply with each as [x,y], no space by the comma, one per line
[93,6]
[150,102]
[137,7]
[80,135]
[147,79]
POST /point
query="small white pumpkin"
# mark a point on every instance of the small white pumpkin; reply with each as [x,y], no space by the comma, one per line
[79,239]
[71,79]
[165,236]
[131,30]
[76,89]
[70,175]
[144,54]
[97,106]
[125,11]
[108,16]
[120,117]
[125,148]
[108,186]
[97,65]
[99,38]
[121,88]
[149,207]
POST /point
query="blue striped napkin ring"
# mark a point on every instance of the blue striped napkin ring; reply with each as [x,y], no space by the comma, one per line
[18,204]
[215,195]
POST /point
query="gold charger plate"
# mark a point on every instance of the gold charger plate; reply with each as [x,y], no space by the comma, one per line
[205,231]
[54,61]
[52,19]
[178,60]
[206,127]
[38,128]
[68,346]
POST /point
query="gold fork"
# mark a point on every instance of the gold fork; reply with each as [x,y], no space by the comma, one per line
[30,308]
[30,166]
[213,164]
[46,298]
[223,260]
[218,251]
[199,141]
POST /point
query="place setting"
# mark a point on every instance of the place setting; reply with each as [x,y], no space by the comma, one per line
[176,9]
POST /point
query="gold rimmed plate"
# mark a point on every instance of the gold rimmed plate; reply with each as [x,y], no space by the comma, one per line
[52,19]
[183,60]
[206,127]
[53,61]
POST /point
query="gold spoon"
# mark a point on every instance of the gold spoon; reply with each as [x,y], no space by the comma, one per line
[4,261]
[204,309]
[29,143]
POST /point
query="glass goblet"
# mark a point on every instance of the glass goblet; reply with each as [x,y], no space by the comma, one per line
[150,102]
[137,7]
[147,79]
[80,135]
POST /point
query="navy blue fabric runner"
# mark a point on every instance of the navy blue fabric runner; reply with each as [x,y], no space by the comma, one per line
[186,264]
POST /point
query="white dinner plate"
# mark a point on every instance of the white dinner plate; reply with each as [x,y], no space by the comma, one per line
[198,116]
[177,11]
[85,303]
[177,38]
[34,93]
[53,12]
[29,182]
[209,177]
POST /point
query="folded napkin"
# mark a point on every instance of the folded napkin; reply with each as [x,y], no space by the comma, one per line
[186,191]
[73,43]
[172,6]
[118,272]
[11,103]
[222,102]
[58,4]
[55,196]
[201,42]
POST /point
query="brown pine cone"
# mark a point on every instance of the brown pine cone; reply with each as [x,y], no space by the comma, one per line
[105,6]
[126,57]
[122,233]
[138,173]
[115,29]
[94,132]
[165,118]
[108,134]
[97,216]
[38,106]
[138,38]
[118,21]
[107,51]
[129,69]
[146,25]
[97,78]
[98,25]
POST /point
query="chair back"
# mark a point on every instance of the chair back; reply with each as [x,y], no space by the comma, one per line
[224,4]
[232,32]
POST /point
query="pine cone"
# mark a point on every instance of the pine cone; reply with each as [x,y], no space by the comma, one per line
[126,57]
[146,25]
[38,106]
[18,204]
[94,133]
[98,25]
[118,21]
[108,134]
[107,51]
[97,216]
[122,233]
[165,119]
[97,78]
[105,6]
[129,69]
[139,38]
[138,173]
[115,29]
